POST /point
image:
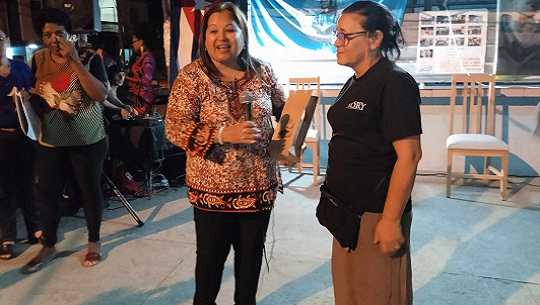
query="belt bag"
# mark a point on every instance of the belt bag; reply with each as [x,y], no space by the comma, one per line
[339,218]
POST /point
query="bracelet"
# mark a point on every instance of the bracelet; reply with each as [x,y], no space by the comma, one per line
[220,135]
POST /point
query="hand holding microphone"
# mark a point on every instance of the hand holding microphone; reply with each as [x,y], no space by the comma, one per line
[245,132]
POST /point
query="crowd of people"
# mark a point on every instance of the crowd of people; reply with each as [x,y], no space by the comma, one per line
[72,88]
[232,175]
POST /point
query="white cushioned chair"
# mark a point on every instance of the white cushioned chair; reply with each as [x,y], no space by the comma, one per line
[475,136]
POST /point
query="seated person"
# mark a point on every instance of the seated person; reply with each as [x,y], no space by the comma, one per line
[113,104]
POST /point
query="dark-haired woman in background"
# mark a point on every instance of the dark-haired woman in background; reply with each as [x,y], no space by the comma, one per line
[372,158]
[72,85]
[141,71]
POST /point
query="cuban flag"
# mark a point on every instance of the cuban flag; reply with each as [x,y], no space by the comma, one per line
[186,18]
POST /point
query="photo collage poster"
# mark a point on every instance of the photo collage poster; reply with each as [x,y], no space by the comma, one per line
[452,42]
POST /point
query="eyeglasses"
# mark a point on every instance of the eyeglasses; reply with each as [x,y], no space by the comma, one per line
[135,40]
[344,39]
[60,33]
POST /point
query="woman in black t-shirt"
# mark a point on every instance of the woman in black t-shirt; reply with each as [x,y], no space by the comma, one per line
[373,156]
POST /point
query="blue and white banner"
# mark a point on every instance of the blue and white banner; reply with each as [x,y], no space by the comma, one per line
[280,31]
[296,36]
[301,26]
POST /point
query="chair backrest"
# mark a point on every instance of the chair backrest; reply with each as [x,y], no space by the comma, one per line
[307,83]
[476,116]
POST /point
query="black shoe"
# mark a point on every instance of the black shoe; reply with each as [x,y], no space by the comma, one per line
[6,252]
[30,240]
[38,262]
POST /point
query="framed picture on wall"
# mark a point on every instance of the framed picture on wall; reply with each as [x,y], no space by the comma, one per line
[518,42]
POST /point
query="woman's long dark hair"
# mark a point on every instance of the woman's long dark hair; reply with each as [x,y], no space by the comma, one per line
[245,60]
[378,17]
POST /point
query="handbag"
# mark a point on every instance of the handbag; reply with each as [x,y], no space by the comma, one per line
[339,217]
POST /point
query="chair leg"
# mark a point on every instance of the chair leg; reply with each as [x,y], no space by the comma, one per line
[487,163]
[448,174]
[504,178]
[316,163]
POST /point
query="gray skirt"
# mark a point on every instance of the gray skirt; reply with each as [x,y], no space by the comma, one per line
[367,276]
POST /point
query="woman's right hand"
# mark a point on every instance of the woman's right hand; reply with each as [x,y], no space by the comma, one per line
[124,113]
[131,110]
[242,133]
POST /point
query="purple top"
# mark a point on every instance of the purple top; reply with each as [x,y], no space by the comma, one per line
[143,69]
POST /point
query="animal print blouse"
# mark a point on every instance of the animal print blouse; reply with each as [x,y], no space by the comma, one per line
[228,177]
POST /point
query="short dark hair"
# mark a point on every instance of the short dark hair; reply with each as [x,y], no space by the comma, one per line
[378,17]
[113,70]
[52,15]
[245,60]
[148,33]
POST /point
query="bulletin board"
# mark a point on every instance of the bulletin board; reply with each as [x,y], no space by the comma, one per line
[452,42]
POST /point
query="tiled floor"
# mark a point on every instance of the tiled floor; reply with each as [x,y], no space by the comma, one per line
[471,249]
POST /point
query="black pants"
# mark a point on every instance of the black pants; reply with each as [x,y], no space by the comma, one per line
[86,165]
[17,184]
[216,232]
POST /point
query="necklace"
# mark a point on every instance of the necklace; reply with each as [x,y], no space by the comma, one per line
[232,89]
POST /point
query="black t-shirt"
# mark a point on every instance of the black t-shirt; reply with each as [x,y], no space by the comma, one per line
[371,112]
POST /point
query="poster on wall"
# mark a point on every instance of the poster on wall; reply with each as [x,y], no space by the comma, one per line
[518,39]
[452,42]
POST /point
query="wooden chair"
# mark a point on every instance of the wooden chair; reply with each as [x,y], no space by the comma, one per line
[313,137]
[475,136]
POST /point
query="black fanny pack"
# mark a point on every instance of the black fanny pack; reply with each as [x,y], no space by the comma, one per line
[340,218]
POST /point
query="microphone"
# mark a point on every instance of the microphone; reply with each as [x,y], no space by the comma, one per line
[246,98]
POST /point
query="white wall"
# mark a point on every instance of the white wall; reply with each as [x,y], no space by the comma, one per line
[518,126]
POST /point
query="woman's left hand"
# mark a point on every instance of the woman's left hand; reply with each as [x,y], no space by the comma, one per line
[276,148]
[68,50]
[389,237]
